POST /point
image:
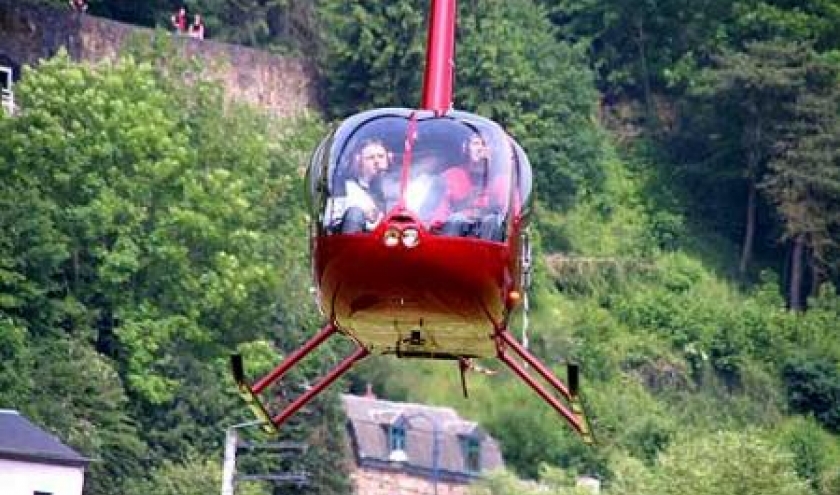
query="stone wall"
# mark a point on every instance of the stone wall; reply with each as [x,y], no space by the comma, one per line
[379,482]
[28,33]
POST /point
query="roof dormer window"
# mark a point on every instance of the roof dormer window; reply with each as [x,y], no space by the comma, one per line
[396,437]
[471,450]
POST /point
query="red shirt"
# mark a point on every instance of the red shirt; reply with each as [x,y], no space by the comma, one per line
[466,193]
[180,22]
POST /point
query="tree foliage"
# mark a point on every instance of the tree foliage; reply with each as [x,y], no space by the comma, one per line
[539,89]
[814,387]
[373,54]
[728,463]
[150,230]
[803,182]
[284,26]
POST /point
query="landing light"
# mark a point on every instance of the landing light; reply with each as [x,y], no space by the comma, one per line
[410,237]
[392,237]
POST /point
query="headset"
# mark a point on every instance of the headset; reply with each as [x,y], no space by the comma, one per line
[357,156]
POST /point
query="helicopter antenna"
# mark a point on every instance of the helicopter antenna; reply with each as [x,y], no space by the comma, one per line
[440,57]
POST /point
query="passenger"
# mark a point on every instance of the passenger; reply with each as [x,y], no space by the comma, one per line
[364,204]
[474,201]
[426,187]
[196,29]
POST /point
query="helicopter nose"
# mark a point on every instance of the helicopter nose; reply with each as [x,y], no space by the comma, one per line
[402,229]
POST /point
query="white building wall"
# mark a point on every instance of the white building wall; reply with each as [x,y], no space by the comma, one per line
[24,478]
[7,95]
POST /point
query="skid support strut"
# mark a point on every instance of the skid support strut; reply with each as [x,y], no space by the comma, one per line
[573,413]
[250,393]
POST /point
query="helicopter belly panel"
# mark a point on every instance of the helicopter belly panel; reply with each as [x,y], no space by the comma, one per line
[444,300]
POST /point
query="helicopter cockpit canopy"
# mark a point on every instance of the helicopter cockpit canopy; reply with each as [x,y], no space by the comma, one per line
[450,173]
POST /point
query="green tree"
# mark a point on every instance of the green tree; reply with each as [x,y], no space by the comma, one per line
[552,481]
[727,463]
[539,89]
[803,180]
[160,226]
[195,475]
[535,434]
[630,476]
[373,54]
[815,451]
[749,90]
[813,21]
[634,47]
[288,26]
[94,410]
[813,385]
[636,50]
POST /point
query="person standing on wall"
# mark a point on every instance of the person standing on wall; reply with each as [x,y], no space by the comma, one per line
[196,29]
[79,6]
[179,20]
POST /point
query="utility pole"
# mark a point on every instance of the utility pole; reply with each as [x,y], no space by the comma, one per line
[232,447]
[229,464]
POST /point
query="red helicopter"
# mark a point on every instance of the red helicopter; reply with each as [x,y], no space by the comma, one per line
[427,269]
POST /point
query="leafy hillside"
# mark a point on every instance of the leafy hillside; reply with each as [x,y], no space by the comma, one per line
[662,273]
[150,230]
[687,228]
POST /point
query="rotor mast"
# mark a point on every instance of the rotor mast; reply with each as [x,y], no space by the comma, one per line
[440,57]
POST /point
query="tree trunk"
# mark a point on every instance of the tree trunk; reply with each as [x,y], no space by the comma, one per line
[76,268]
[106,343]
[640,41]
[797,266]
[816,273]
[749,231]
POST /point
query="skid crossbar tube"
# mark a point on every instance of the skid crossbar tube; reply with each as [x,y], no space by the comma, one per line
[251,393]
[332,376]
[574,414]
[532,361]
[293,359]
[251,400]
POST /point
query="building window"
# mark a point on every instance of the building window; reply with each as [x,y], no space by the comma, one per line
[471,447]
[7,97]
[396,437]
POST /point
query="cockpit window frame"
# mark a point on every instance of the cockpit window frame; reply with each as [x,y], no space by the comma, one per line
[332,162]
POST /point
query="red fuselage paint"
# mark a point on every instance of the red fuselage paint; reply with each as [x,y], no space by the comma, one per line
[452,290]
[440,57]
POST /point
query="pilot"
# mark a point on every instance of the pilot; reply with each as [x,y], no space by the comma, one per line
[364,204]
[426,187]
[474,201]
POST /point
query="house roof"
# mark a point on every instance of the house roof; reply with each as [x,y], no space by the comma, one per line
[22,440]
[369,422]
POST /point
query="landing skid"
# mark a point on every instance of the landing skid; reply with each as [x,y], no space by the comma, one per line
[572,411]
[250,393]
